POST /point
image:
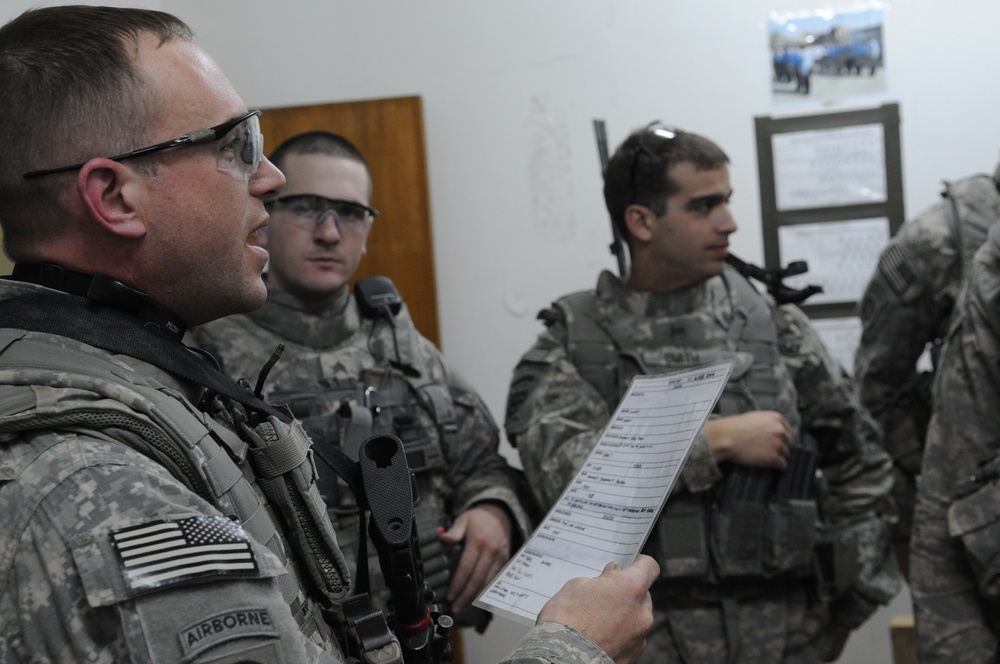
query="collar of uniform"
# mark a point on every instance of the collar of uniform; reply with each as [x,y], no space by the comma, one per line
[651,303]
[306,323]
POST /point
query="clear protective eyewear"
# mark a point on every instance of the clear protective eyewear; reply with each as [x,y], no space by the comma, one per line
[311,210]
[240,149]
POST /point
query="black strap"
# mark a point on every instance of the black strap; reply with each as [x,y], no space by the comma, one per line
[122,333]
[102,288]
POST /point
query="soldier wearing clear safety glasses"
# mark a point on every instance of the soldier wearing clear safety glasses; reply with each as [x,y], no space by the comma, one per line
[352,369]
[155,510]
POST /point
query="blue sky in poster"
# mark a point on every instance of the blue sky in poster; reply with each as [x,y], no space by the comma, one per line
[794,25]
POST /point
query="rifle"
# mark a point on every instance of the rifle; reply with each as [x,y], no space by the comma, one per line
[618,247]
[772,278]
[419,624]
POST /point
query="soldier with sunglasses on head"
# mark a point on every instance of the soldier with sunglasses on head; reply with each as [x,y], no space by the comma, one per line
[760,562]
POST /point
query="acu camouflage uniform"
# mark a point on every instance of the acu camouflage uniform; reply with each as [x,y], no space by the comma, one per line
[906,307]
[404,388]
[955,556]
[735,595]
[93,445]
[93,448]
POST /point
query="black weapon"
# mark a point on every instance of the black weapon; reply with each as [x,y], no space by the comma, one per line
[419,624]
[618,247]
[772,278]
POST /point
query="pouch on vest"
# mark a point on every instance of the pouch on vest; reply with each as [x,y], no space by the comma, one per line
[680,540]
[790,537]
[738,538]
[286,474]
[835,562]
[333,414]
[975,518]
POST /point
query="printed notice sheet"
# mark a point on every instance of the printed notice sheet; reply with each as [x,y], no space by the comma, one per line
[608,510]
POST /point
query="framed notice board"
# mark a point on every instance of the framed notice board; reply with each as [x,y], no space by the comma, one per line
[831,191]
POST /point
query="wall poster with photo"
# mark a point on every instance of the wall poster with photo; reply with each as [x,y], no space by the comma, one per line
[826,53]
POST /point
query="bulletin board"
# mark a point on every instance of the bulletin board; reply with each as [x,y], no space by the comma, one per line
[831,192]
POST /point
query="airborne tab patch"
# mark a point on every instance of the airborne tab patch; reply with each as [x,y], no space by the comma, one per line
[165,553]
[226,626]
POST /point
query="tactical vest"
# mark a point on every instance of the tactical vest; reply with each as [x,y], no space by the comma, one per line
[268,466]
[717,535]
[383,401]
[382,390]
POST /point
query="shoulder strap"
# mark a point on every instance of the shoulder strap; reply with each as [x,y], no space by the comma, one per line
[591,348]
[119,332]
[954,222]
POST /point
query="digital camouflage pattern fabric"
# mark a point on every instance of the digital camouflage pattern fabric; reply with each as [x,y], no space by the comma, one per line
[955,557]
[907,306]
[706,609]
[85,439]
[328,350]
[69,490]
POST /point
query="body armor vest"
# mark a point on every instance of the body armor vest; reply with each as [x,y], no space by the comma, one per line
[745,527]
[262,476]
[369,383]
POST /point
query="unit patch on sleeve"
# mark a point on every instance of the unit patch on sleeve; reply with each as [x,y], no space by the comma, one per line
[164,553]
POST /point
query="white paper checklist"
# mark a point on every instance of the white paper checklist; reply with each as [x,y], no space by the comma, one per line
[606,513]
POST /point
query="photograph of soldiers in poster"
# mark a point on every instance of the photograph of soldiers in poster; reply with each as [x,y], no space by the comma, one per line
[826,53]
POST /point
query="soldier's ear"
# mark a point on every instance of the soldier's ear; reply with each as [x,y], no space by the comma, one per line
[115,197]
[639,220]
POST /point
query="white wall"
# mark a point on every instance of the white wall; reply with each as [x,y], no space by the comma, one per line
[510,89]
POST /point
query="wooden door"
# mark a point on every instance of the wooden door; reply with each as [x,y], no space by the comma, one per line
[390,133]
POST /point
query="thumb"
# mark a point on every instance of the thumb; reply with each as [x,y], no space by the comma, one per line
[611,567]
[456,533]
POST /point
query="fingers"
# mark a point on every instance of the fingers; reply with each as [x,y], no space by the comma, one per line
[463,589]
[485,532]
[476,569]
[647,567]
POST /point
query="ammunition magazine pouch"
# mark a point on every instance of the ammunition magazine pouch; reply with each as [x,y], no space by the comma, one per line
[680,542]
[737,540]
[975,519]
[773,539]
[835,562]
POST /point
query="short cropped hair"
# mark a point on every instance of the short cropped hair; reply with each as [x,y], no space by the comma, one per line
[639,170]
[319,142]
[70,90]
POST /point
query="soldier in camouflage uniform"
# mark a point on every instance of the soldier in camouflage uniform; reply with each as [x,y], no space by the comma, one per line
[154,510]
[351,372]
[745,529]
[956,522]
[906,308]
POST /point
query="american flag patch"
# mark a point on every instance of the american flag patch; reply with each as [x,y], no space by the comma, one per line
[164,553]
